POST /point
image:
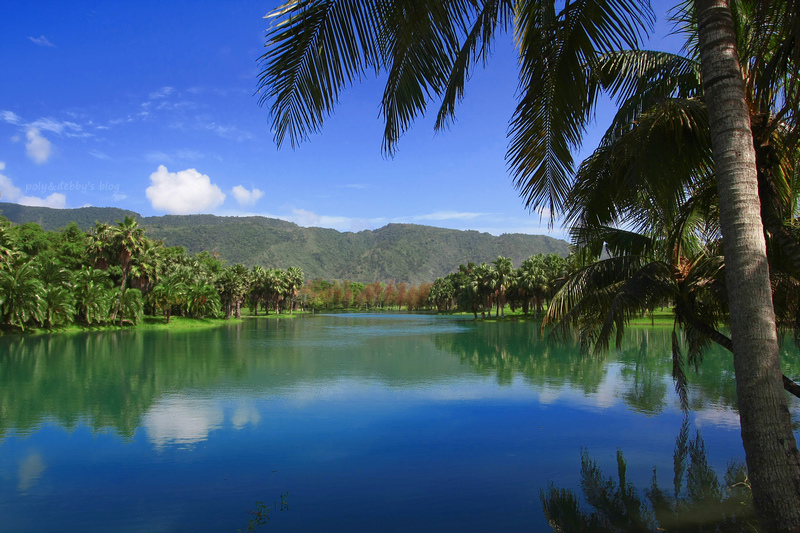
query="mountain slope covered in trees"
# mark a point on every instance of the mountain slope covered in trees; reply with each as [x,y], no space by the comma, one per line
[397,252]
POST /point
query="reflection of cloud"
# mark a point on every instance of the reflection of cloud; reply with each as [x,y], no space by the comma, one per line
[717,416]
[30,470]
[180,420]
[245,414]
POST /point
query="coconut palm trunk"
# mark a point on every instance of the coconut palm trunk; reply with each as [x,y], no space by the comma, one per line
[771,451]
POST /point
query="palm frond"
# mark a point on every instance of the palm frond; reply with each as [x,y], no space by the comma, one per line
[601,298]
[494,15]
[616,241]
[640,79]
[419,42]
[644,176]
[315,48]
[558,93]
[648,74]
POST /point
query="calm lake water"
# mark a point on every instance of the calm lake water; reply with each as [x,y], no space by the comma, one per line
[368,422]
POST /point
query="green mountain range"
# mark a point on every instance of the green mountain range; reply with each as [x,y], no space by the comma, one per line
[397,252]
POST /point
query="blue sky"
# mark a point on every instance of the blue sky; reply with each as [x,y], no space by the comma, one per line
[151,106]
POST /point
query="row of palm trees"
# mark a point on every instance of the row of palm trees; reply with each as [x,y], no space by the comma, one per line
[480,288]
[471,288]
[115,274]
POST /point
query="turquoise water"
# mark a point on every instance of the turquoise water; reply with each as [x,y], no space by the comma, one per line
[368,422]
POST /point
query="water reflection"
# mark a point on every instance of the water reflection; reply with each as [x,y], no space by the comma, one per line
[640,371]
[461,421]
[127,380]
[697,500]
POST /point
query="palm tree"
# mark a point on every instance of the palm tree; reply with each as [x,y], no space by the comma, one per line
[504,274]
[129,304]
[319,47]
[233,286]
[92,293]
[21,295]
[294,280]
[169,292]
[9,249]
[98,245]
[58,305]
[128,239]
[202,300]
[532,283]
[753,187]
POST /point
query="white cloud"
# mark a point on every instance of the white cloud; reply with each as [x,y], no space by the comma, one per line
[41,41]
[38,146]
[183,192]
[448,215]
[8,192]
[11,117]
[11,193]
[162,157]
[161,93]
[158,157]
[49,124]
[55,200]
[99,155]
[245,197]
[225,131]
[305,218]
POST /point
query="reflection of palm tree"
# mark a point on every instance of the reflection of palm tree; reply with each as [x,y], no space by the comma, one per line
[702,504]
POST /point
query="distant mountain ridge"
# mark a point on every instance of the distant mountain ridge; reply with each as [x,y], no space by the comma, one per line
[397,252]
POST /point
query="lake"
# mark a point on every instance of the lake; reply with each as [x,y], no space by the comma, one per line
[357,422]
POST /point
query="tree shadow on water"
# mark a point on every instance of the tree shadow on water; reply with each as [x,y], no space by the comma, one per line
[698,501]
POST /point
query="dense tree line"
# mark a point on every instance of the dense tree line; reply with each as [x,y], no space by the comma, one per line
[115,274]
[486,286]
[477,289]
